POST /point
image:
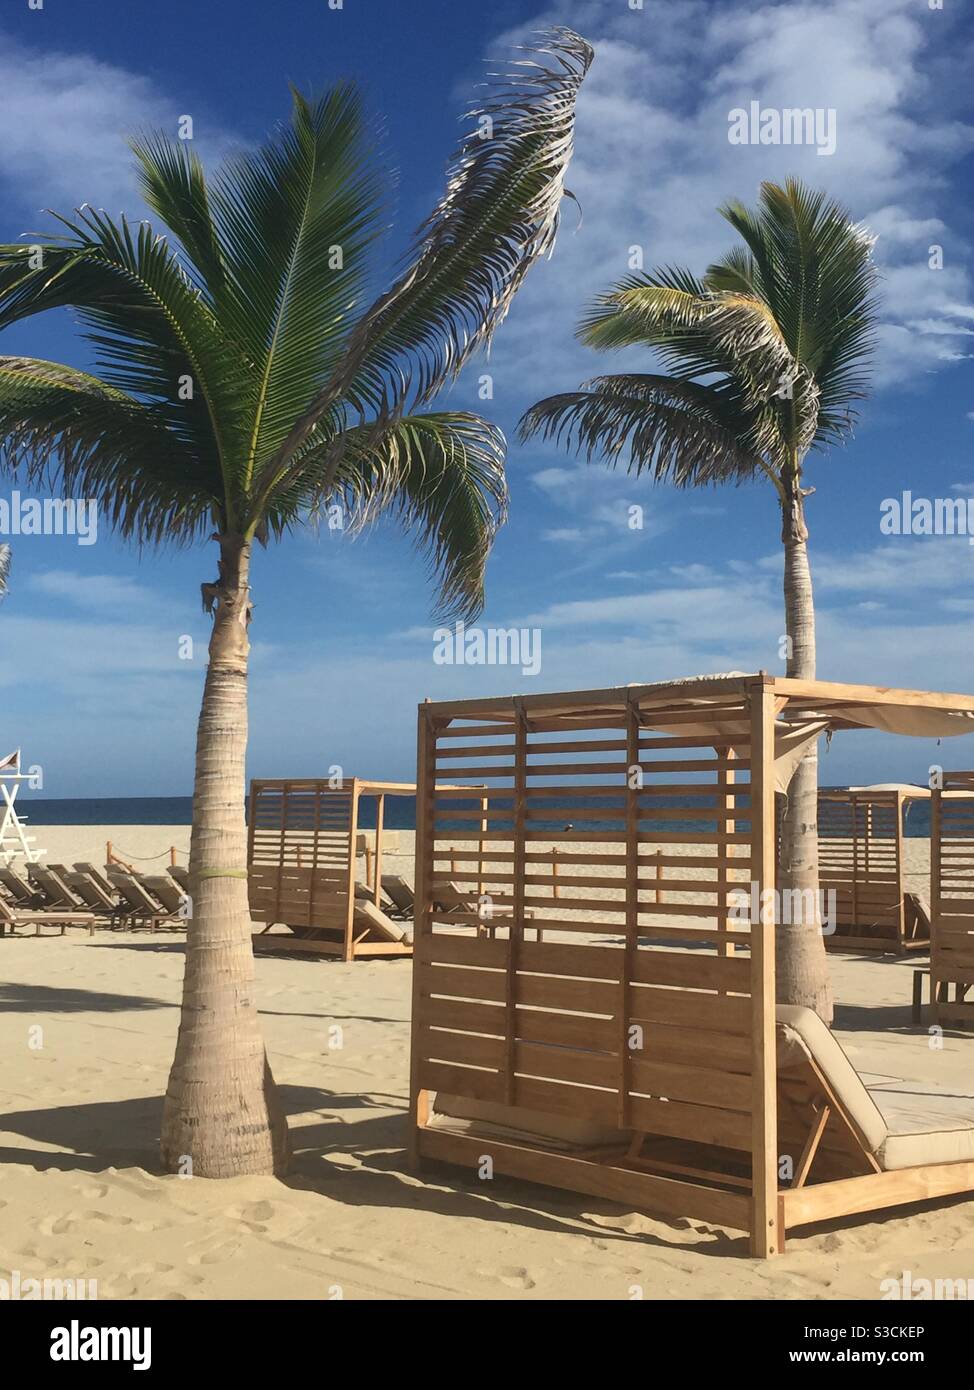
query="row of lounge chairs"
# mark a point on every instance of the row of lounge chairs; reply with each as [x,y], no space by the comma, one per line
[57,896]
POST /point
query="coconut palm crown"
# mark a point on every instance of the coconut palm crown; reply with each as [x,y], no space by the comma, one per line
[765,357]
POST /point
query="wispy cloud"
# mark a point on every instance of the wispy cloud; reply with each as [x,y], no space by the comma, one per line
[653,161]
[66,121]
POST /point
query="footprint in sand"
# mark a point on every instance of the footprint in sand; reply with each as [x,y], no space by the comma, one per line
[513,1276]
[217,1254]
[55,1225]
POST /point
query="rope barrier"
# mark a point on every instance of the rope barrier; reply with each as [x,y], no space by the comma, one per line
[146,858]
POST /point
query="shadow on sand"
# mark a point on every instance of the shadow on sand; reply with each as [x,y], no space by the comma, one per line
[49,999]
[349,1156]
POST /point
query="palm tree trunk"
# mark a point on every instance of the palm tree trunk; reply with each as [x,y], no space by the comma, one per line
[222,1115]
[801,964]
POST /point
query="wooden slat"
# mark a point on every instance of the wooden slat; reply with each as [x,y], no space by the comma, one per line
[642,1190]
[710,1012]
[766,1233]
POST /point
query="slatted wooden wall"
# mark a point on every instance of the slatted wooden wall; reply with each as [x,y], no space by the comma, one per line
[617,985]
[952,898]
[299,853]
[861,860]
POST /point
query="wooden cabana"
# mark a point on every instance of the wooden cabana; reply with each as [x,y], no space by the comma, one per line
[952,899]
[635,1053]
[862,862]
[302,849]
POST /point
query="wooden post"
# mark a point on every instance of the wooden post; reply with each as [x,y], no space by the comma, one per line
[108,853]
[480,846]
[349,948]
[313,878]
[419,1097]
[936,841]
[379,827]
[515,934]
[280,852]
[554,872]
[898,856]
[632,905]
[766,1233]
[725,849]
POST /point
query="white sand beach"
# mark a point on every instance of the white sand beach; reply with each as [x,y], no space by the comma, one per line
[82,1194]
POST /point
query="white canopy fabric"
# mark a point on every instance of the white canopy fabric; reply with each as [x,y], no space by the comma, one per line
[907,719]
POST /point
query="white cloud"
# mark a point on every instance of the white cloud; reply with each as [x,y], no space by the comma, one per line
[66,120]
[653,161]
[562,533]
[91,590]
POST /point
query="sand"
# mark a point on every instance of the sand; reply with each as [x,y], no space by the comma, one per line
[81,1194]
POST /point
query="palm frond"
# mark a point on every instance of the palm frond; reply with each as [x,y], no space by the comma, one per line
[442,473]
[676,431]
[499,214]
[296,220]
[89,439]
[154,334]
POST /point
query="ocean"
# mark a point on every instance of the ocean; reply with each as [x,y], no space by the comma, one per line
[400,813]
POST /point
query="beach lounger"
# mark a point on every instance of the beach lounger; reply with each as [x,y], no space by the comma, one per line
[94,872]
[853,1147]
[371,921]
[58,893]
[171,895]
[20,892]
[144,907]
[366,894]
[95,897]
[180,874]
[400,894]
[12,918]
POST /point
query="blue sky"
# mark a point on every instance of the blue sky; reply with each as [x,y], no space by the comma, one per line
[93,687]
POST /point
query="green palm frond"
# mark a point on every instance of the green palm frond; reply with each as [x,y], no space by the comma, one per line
[242,379]
[499,214]
[676,431]
[776,338]
[442,473]
[76,433]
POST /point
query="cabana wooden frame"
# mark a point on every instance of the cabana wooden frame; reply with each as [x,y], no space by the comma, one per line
[302,846]
[952,899]
[861,860]
[668,1048]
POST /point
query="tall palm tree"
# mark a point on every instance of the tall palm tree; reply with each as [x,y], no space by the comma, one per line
[4,569]
[245,383]
[765,356]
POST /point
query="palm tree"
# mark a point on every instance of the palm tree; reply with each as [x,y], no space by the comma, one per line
[765,356]
[4,569]
[245,383]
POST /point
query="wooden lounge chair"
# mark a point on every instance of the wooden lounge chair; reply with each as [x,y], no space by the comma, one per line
[180,874]
[97,899]
[400,894]
[94,872]
[853,1148]
[12,918]
[20,892]
[371,921]
[144,906]
[173,898]
[58,893]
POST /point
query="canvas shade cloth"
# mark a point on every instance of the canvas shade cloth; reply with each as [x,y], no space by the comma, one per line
[793,738]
